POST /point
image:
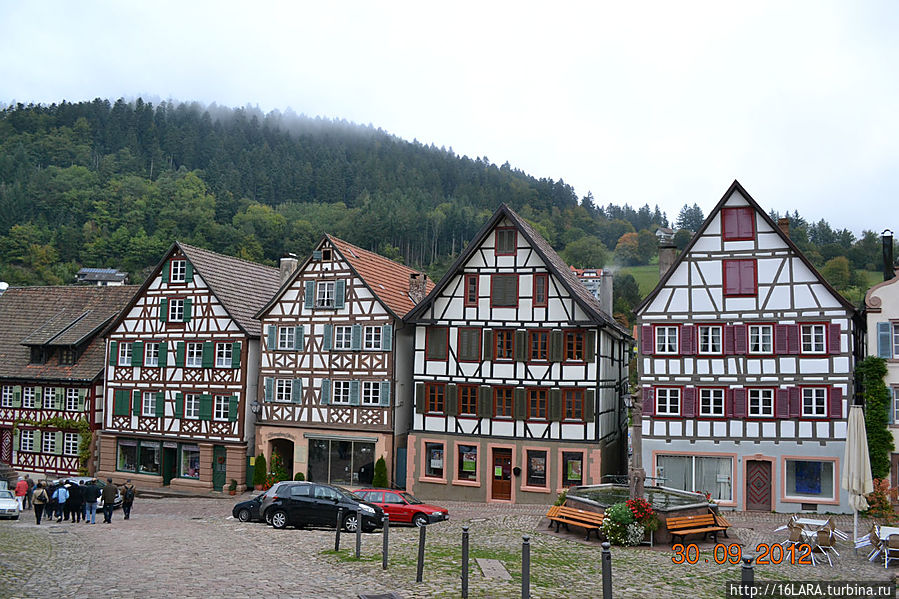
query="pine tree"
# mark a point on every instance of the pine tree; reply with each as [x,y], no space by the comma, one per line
[379,481]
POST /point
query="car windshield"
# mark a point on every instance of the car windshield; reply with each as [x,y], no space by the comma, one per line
[410,499]
[6,495]
[349,494]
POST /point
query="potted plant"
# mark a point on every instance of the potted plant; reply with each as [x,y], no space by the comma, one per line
[379,481]
[299,476]
[260,471]
[232,488]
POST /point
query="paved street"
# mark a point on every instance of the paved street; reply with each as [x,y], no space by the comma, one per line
[190,548]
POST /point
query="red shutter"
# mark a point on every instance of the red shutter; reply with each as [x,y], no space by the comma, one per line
[780,339]
[728,339]
[795,408]
[833,340]
[649,401]
[688,340]
[793,339]
[740,339]
[731,277]
[746,222]
[739,403]
[647,340]
[835,409]
[730,218]
[729,403]
[689,401]
[782,403]
[747,277]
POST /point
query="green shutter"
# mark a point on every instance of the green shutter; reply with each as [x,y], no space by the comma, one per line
[269,389]
[590,350]
[521,346]
[160,403]
[179,354]
[326,392]
[17,396]
[38,395]
[37,441]
[166,267]
[339,293]
[555,405]
[179,405]
[113,352]
[163,354]
[82,394]
[296,391]
[233,403]
[205,407]
[235,354]
[163,310]
[357,337]
[299,338]
[117,403]
[485,401]
[188,302]
[590,405]
[316,255]
[271,337]
[884,340]
[555,345]
[452,400]
[519,404]
[137,353]
[15,439]
[488,344]
[354,393]
[387,337]
[208,354]
[420,399]
[57,443]
[327,337]
[309,295]
[385,394]
[188,272]
[135,402]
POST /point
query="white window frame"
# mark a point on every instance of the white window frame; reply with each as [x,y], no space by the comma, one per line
[220,407]
[666,338]
[71,399]
[371,339]
[49,397]
[760,403]
[176,310]
[286,337]
[70,443]
[48,443]
[671,396]
[343,336]
[325,295]
[193,354]
[223,355]
[148,403]
[283,390]
[814,339]
[125,350]
[192,406]
[833,492]
[151,354]
[895,340]
[761,335]
[814,402]
[178,272]
[711,402]
[371,393]
[6,397]
[711,343]
[340,393]
[26,440]
[28,396]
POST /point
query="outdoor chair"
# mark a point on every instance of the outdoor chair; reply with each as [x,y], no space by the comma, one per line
[823,542]
[876,543]
[795,533]
[890,550]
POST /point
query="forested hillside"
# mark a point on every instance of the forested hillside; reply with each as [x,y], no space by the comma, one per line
[114,184]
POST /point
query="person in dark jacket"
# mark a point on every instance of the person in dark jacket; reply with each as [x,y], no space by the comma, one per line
[40,499]
[128,494]
[90,495]
[53,505]
[108,495]
[75,503]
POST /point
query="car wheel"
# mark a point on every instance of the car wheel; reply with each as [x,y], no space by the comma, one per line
[279,519]
[243,515]
[350,523]
[268,517]
[420,520]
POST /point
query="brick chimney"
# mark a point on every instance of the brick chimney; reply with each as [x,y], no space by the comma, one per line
[783,224]
[667,254]
[288,265]
[418,285]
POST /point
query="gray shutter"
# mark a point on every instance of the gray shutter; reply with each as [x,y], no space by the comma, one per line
[326,392]
[38,393]
[137,353]
[884,340]
[357,337]
[385,394]
[17,396]
[163,354]
[420,400]
[82,394]
[555,405]
[160,403]
[452,400]
[339,293]
[271,336]
[590,350]
[57,443]
[519,404]
[298,338]
[15,439]
[521,346]
[235,354]
[163,310]
[387,337]
[891,407]
[555,345]
[354,393]
[296,391]
[327,337]
[188,302]
[316,255]
[485,401]
[590,405]
[309,295]
[488,344]
[269,392]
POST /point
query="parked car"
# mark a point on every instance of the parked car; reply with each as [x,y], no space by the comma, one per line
[268,497]
[9,507]
[77,480]
[248,511]
[315,504]
[403,507]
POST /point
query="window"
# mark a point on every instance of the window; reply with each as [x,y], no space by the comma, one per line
[372,338]
[48,443]
[28,397]
[537,404]
[667,402]
[810,479]
[148,457]
[26,440]
[324,295]
[539,343]
[666,340]
[740,278]
[572,468]
[326,254]
[371,393]
[574,346]
[127,456]
[6,397]
[738,224]
[176,310]
[502,402]
[67,356]
[711,402]
[50,398]
[504,345]
[434,460]
[283,390]
[536,468]
[286,337]
[340,392]
[469,344]
[72,400]
[151,354]
[895,341]
[813,339]
[504,290]
[223,355]
[340,462]
[699,474]
[194,356]
[574,404]
[471,290]
[435,393]
[70,443]
[895,415]
[38,355]
[761,339]
[540,289]
[709,339]
[468,400]
[343,337]
[814,402]
[221,407]
[124,354]
[761,402]
[190,461]
[179,271]
[148,405]
[467,462]
[192,406]
[505,241]
[436,343]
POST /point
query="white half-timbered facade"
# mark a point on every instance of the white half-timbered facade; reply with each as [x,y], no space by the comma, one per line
[746,367]
[182,367]
[51,376]
[336,384]
[520,375]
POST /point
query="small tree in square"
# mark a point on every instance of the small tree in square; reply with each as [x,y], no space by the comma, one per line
[260,471]
[379,481]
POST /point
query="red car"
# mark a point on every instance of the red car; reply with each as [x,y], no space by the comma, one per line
[402,507]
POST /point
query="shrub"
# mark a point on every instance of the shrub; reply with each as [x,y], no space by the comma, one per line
[379,481]
[277,471]
[880,505]
[299,476]
[260,470]
[620,527]
[560,500]
[232,486]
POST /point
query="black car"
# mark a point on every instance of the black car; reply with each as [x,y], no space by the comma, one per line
[248,511]
[315,504]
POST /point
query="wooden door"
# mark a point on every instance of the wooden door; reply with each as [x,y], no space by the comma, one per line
[502,474]
[758,485]
[6,445]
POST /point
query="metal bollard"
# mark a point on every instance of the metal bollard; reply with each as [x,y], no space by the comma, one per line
[385,534]
[339,524]
[422,531]
[464,562]
[747,575]
[606,571]
[358,533]
[525,567]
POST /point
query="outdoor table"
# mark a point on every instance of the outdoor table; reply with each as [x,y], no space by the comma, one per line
[886,531]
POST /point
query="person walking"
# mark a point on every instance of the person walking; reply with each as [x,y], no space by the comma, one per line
[61,495]
[108,495]
[21,492]
[28,503]
[75,503]
[52,505]
[91,495]
[127,498]
[39,499]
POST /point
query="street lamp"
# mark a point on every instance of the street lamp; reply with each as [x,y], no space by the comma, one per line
[255,408]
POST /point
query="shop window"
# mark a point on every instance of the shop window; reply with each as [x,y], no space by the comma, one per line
[699,474]
[572,468]
[434,460]
[149,457]
[810,480]
[127,458]
[536,465]
[468,462]
[190,461]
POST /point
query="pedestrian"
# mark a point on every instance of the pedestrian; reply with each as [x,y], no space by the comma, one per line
[28,503]
[21,492]
[127,498]
[91,495]
[61,494]
[52,505]
[75,502]
[40,498]
[108,494]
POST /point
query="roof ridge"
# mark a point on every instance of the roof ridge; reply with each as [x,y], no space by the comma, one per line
[235,258]
[375,255]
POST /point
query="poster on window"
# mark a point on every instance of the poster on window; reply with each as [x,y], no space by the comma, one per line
[538,466]
[808,478]
[437,458]
[574,470]
[470,461]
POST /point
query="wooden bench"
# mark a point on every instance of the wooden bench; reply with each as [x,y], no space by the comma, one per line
[589,521]
[706,524]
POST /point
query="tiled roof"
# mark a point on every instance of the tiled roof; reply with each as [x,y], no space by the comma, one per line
[242,287]
[387,279]
[56,316]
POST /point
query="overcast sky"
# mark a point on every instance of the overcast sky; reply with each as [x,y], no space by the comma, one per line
[661,103]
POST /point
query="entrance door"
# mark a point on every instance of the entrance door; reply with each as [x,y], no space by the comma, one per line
[169,464]
[219,467]
[758,485]
[6,445]
[502,473]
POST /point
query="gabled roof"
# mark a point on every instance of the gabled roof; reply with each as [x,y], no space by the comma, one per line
[736,187]
[557,267]
[57,316]
[386,279]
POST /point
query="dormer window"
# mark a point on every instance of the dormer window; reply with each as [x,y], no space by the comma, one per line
[326,254]
[324,295]
[66,356]
[505,241]
[38,355]
[179,271]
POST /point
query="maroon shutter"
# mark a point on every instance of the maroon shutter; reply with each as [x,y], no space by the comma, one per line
[835,410]
[688,340]
[782,403]
[740,339]
[793,339]
[649,401]
[689,402]
[745,224]
[728,339]
[739,403]
[795,408]
[731,226]
[747,277]
[647,340]
[833,339]
[729,403]
[731,277]
[780,339]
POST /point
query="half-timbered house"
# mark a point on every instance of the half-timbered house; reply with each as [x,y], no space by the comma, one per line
[746,367]
[182,365]
[51,375]
[520,375]
[336,391]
